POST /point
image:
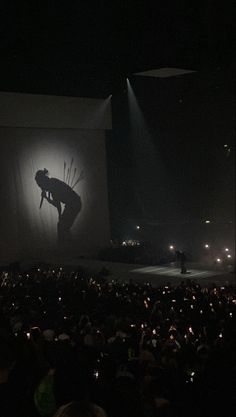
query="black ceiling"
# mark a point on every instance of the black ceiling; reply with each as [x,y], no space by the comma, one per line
[87,48]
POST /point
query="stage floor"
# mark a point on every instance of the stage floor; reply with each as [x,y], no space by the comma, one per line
[175,272]
[159,275]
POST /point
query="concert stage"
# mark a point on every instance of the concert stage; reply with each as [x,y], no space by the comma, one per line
[159,275]
[175,272]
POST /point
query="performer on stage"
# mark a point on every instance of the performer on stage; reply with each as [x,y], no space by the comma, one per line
[182,258]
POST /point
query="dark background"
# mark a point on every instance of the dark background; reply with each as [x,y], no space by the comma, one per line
[183,174]
[87,48]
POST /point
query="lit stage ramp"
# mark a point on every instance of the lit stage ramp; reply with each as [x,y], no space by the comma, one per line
[175,272]
[159,275]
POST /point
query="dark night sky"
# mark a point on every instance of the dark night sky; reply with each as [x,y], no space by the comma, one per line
[89,48]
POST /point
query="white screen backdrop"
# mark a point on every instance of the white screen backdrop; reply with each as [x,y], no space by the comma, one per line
[28,232]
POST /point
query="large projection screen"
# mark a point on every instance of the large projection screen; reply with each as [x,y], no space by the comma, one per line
[53,188]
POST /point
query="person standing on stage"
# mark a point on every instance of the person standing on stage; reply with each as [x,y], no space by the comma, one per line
[182,258]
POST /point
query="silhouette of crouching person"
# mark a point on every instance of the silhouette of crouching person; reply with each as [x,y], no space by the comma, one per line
[57,192]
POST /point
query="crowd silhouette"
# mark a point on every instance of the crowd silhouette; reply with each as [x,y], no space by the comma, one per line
[73,345]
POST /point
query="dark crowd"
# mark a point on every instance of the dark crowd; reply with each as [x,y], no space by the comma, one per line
[73,345]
